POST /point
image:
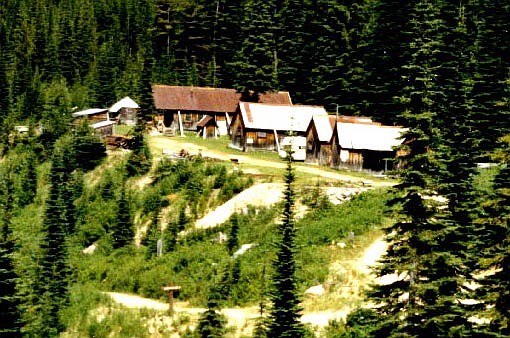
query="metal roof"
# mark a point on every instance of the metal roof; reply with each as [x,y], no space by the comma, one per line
[323,127]
[126,102]
[368,136]
[102,124]
[207,99]
[325,124]
[278,117]
[91,111]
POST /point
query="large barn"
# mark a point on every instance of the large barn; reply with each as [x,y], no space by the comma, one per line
[192,108]
[263,126]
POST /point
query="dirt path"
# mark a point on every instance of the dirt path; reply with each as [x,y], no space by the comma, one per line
[160,143]
[267,194]
[242,319]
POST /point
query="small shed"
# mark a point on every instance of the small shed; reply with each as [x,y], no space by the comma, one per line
[98,118]
[124,111]
[207,127]
[104,128]
[263,126]
[93,115]
[184,106]
[365,146]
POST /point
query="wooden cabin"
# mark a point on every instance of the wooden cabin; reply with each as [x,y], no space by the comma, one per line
[364,146]
[319,132]
[98,119]
[93,115]
[263,126]
[104,128]
[184,107]
[124,111]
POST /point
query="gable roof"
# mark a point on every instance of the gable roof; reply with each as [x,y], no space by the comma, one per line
[126,102]
[368,136]
[324,125]
[278,117]
[206,99]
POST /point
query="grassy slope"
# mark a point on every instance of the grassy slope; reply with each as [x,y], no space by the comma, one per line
[131,272]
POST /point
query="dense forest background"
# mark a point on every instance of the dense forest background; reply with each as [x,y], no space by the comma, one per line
[440,68]
[350,56]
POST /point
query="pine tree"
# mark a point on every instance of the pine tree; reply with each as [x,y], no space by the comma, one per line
[495,288]
[256,60]
[233,237]
[384,54]
[140,161]
[55,271]
[123,231]
[285,311]
[489,91]
[88,149]
[296,44]
[211,323]
[10,325]
[423,300]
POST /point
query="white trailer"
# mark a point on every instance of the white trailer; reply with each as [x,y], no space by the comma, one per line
[297,145]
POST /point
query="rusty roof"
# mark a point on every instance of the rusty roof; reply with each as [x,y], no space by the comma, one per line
[206,99]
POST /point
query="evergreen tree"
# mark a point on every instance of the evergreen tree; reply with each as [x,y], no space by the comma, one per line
[211,323]
[123,231]
[256,60]
[285,311]
[139,162]
[55,271]
[384,54]
[495,288]
[423,300]
[88,149]
[341,28]
[489,91]
[10,325]
[295,45]
[233,237]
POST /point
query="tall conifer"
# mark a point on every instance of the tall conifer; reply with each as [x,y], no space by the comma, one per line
[286,311]
[55,272]
[10,325]
[422,301]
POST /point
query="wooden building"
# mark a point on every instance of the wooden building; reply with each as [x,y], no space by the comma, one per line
[93,115]
[263,126]
[124,111]
[364,146]
[184,107]
[319,133]
[98,118]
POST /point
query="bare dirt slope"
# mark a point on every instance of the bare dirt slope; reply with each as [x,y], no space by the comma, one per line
[243,319]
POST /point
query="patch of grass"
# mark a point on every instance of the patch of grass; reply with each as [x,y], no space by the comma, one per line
[122,129]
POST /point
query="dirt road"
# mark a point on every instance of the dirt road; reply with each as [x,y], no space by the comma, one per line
[160,143]
[243,319]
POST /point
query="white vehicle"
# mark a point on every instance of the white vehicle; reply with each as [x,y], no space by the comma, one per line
[297,144]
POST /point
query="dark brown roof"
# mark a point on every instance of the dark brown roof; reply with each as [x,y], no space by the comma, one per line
[206,99]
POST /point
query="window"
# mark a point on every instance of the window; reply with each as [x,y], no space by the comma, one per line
[261,134]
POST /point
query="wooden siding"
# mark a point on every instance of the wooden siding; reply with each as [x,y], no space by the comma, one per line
[316,151]
[128,116]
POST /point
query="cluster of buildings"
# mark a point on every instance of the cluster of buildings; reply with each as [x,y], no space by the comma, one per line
[352,142]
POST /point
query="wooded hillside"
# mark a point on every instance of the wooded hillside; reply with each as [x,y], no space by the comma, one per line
[439,68]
